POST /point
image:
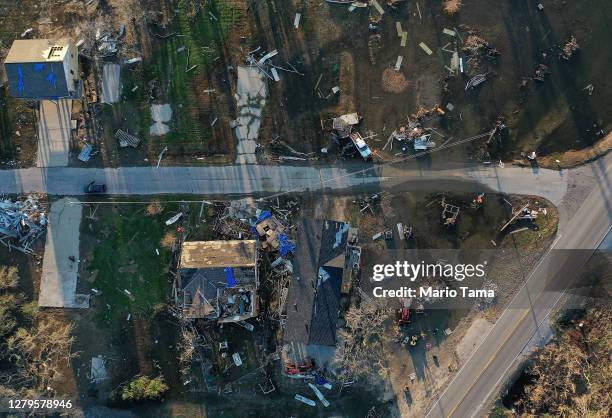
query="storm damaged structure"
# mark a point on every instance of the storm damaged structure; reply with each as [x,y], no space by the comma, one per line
[323,272]
[344,135]
[218,280]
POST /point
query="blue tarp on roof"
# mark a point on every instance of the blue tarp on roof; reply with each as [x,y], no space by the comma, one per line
[52,80]
[286,245]
[264,215]
[229,277]
[20,84]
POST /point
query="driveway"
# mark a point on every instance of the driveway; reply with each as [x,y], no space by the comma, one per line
[53,120]
[59,273]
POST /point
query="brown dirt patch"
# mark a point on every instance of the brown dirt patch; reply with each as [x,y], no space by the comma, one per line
[154,208]
[347,83]
[574,158]
[168,240]
[394,81]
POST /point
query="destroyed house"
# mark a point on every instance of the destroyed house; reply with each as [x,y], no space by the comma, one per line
[43,69]
[313,301]
[218,280]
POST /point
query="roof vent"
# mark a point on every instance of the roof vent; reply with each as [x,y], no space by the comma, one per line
[55,51]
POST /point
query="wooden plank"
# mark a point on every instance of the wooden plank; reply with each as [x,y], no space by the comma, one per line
[398,27]
[378,7]
[398,63]
[425,48]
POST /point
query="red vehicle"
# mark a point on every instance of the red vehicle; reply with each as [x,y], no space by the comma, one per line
[404,316]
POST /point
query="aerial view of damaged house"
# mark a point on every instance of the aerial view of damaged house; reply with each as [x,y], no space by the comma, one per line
[218,280]
[324,272]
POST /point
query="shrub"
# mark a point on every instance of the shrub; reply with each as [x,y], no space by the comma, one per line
[144,388]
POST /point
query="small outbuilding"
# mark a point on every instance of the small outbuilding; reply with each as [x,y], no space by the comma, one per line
[43,69]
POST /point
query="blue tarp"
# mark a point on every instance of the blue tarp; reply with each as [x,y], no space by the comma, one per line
[320,380]
[20,84]
[264,215]
[229,277]
[286,245]
[52,80]
[39,67]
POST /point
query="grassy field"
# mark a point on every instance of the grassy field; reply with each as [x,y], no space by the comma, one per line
[184,64]
[120,251]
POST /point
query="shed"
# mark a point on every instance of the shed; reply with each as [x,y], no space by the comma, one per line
[43,69]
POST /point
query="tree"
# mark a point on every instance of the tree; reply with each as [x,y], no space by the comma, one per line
[144,388]
[37,351]
[361,346]
[572,374]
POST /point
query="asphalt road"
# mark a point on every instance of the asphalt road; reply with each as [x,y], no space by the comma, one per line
[488,365]
[253,179]
[581,228]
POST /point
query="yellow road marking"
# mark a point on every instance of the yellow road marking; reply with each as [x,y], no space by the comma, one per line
[489,363]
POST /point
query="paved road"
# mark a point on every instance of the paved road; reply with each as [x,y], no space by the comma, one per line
[253,179]
[481,375]
[585,221]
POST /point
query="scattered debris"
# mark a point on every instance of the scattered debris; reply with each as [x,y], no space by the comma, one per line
[570,48]
[541,72]
[377,6]
[98,371]
[174,218]
[475,81]
[398,62]
[449,212]
[126,139]
[319,395]
[85,153]
[425,48]
[303,399]
[22,222]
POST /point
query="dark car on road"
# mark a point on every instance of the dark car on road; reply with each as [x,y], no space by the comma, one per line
[94,187]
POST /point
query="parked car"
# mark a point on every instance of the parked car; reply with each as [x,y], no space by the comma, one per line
[94,187]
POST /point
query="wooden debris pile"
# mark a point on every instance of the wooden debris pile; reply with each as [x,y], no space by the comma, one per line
[570,48]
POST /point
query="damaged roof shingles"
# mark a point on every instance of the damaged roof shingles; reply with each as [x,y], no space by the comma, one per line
[313,303]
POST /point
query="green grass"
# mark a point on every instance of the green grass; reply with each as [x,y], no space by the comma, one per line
[125,258]
[190,126]
[123,243]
